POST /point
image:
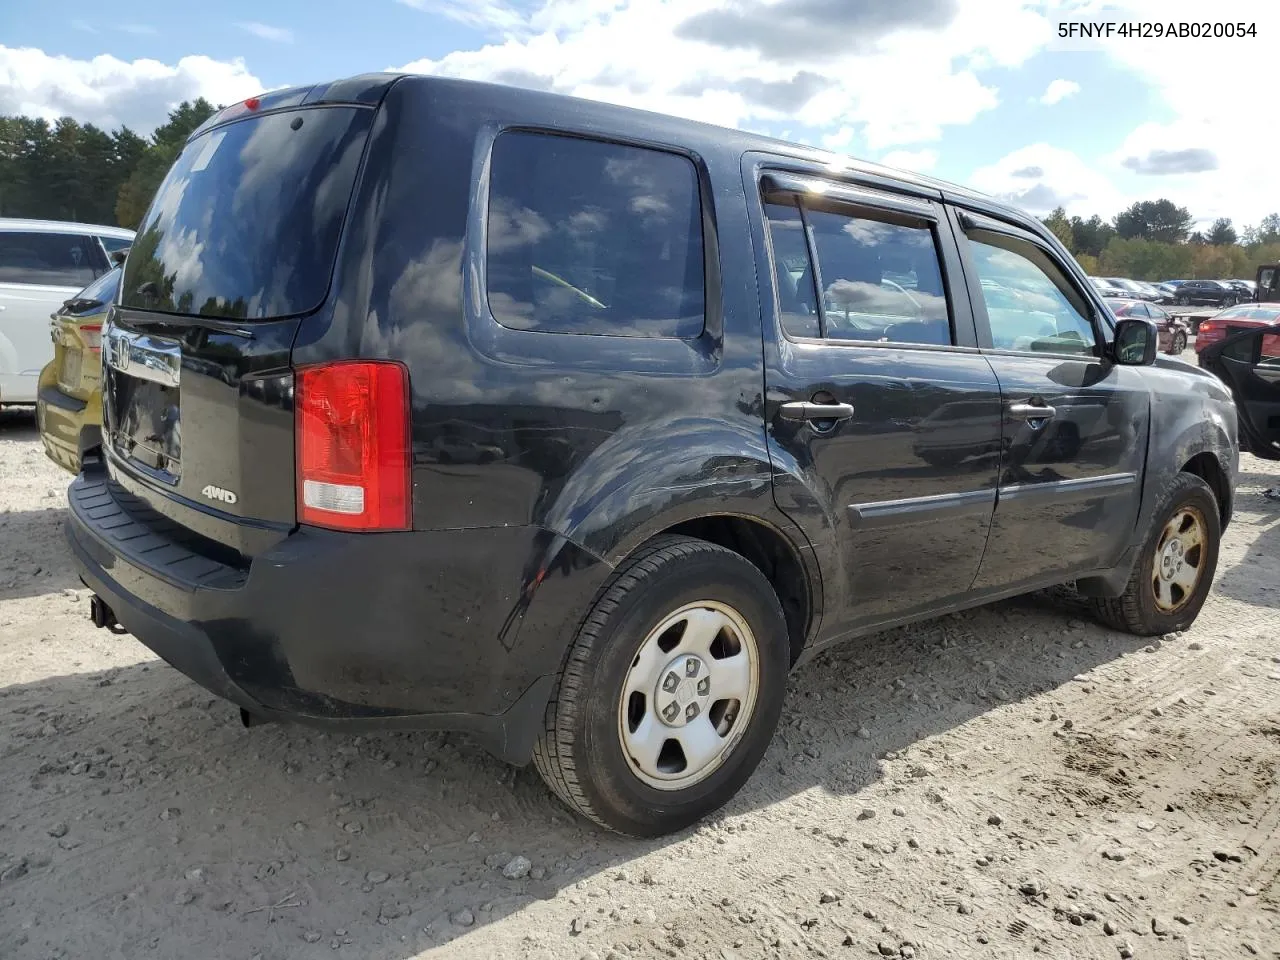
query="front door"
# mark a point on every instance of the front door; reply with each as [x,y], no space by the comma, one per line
[1075,424]
[1248,361]
[883,419]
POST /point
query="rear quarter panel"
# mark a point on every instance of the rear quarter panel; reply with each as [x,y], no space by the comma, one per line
[599,442]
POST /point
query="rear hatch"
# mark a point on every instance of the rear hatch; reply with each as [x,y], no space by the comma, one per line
[237,247]
[77,336]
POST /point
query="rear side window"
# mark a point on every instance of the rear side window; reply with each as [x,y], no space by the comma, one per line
[590,237]
[876,280]
[50,259]
[246,223]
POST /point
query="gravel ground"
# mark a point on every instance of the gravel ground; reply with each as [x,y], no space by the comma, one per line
[1008,782]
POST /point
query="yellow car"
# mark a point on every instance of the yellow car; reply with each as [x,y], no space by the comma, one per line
[69,397]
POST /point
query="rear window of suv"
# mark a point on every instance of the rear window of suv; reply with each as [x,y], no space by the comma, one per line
[590,237]
[246,223]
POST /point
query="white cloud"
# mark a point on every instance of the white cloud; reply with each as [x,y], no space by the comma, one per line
[265,31]
[917,161]
[1059,90]
[109,92]
[1040,177]
[889,76]
[1216,156]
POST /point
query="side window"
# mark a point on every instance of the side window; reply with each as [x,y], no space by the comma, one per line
[877,277]
[589,237]
[114,244]
[1156,313]
[49,259]
[1031,305]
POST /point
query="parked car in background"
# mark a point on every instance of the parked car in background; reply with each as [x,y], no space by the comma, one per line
[1108,288]
[1207,292]
[1133,289]
[1267,285]
[1168,292]
[1242,346]
[1246,316]
[1174,333]
[1246,288]
[702,447]
[69,401]
[42,264]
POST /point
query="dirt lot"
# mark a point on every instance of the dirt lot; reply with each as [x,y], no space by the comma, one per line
[1013,781]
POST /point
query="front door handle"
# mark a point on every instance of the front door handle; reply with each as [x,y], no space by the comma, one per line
[807,410]
[1031,411]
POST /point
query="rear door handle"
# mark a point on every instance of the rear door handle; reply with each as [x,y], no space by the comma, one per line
[807,410]
[1031,411]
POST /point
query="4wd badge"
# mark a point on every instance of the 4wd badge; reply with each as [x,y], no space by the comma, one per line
[218,493]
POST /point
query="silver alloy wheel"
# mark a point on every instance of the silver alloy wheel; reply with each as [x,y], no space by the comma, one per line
[689,695]
[1179,559]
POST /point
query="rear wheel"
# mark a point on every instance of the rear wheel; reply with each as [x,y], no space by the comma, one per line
[1179,343]
[1174,571]
[671,691]
[1184,300]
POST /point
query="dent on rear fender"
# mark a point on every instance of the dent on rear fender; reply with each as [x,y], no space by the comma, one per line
[642,480]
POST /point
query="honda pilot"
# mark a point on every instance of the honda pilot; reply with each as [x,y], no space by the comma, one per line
[437,404]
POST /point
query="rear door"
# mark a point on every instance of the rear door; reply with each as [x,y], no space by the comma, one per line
[38,271]
[1075,425]
[1248,361]
[237,246]
[878,405]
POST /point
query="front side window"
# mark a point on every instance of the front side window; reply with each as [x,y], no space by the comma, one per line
[1031,305]
[589,237]
[876,279]
[50,259]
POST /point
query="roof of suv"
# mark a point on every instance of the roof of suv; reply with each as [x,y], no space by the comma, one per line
[371,87]
[65,226]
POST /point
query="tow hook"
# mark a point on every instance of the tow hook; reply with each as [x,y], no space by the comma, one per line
[103,616]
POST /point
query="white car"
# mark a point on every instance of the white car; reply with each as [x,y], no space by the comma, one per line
[43,263]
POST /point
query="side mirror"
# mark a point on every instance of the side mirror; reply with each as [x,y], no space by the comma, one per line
[119,256]
[1137,342]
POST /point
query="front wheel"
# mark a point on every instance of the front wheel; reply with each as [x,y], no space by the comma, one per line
[1174,570]
[1184,301]
[671,691]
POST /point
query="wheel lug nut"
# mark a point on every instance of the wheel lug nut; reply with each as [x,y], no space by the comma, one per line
[691,711]
[670,681]
[671,711]
[704,686]
[691,668]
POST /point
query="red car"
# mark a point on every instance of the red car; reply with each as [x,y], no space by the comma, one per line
[1238,319]
[1174,333]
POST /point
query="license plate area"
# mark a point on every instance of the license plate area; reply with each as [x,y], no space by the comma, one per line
[143,408]
[69,369]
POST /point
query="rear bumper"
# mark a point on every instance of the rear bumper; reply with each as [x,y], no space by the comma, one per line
[428,630]
[61,419]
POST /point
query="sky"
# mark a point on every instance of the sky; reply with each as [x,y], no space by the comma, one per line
[980,92]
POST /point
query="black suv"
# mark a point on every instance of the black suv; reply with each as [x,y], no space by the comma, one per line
[438,404]
[1211,292]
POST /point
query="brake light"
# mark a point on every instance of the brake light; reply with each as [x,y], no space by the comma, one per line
[252,103]
[91,334]
[352,421]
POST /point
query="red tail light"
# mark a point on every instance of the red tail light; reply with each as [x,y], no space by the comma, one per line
[91,333]
[352,421]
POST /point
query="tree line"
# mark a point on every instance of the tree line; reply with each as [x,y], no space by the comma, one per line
[76,171]
[1153,240]
[72,171]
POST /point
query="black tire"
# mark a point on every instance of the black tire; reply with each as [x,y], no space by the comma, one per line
[1135,610]
[579,753]
[1184,301]
[1179,343]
